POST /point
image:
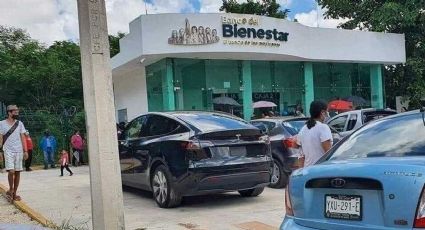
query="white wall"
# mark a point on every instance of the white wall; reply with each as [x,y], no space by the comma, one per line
[130,93]
[149,39]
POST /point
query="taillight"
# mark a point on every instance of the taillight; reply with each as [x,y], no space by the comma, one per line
[196,150]
[288,203]
[290,143]
[420,212]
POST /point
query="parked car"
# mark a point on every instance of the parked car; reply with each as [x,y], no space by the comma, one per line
[346,123]
[282,132]
[372,179]
[177,154]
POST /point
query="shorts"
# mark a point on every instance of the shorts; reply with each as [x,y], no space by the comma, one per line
[13,161]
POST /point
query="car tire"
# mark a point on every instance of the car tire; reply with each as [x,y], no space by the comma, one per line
[279,177]
[251,192]
[164,194]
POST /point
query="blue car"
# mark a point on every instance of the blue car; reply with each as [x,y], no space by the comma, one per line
[373,179]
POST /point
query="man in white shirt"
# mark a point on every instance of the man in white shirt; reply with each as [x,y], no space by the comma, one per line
[12,139]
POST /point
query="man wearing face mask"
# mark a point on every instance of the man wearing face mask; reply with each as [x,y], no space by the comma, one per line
[315,137]
[12,139]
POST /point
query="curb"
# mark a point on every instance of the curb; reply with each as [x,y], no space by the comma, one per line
[29,211]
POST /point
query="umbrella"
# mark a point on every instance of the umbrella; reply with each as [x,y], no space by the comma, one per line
[263,104]
[340,105]
[225,101]
[356,100]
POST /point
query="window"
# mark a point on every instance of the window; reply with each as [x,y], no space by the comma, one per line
[294,127]
[339,123]
[206,122]
[134,129]
[159,125]
[269,125]
[352,122]
[397,137]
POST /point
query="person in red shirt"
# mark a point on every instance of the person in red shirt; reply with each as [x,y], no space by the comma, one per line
[64,161]
[30,147]
[77,144]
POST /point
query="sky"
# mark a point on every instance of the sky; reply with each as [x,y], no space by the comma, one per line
[52,20]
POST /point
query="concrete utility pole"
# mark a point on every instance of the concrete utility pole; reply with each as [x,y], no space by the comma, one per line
[105,173]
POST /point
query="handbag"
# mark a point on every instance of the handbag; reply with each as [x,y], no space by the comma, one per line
[11,130]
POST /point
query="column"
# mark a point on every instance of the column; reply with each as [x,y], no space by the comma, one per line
[168,87]
[376,86]
[105,173]
[247,90]
[308,87]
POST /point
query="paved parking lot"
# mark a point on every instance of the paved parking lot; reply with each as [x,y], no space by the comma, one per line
[69,197]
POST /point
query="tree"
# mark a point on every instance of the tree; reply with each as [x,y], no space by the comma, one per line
[393,16]
[264,7]
[114,45]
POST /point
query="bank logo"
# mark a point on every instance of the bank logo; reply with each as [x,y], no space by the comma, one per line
[193,35]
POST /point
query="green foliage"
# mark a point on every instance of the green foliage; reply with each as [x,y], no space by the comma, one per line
[114,45]
[395,16]
[264,7]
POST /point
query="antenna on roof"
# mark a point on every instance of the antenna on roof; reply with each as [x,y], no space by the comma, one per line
[317,13]
[146,8]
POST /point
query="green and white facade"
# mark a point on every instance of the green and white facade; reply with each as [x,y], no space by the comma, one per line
[165,64]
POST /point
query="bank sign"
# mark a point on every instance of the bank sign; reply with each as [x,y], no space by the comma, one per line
[247,31]
[244,31]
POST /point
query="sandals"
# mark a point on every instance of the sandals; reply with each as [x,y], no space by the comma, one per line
[12,197]
[16,198]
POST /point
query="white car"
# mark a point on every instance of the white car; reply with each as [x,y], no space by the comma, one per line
[346,123]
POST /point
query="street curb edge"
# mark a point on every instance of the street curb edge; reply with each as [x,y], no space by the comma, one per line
[29,211]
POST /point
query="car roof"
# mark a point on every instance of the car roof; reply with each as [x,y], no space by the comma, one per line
[193,112]
[367,110]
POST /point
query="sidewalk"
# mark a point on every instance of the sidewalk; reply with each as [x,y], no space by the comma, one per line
[62,198]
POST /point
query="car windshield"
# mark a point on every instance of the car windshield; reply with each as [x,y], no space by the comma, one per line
[293,127]
[394,137]
[213,122]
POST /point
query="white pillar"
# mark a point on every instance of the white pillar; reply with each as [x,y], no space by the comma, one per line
[105,175]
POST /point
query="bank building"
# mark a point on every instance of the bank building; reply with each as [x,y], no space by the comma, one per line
[185,61]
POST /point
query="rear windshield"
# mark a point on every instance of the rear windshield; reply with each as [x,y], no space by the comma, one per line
[214,122]
[396,137]
[293,127]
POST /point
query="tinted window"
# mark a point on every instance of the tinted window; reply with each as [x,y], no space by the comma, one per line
[210,122]
[269,125]
[159,125]
[352,122]
[398,137]
[293,127]
[134,128]
[374,115]
[339,123]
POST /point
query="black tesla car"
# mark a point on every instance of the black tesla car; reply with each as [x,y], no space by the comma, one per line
[285,152]
[177,154]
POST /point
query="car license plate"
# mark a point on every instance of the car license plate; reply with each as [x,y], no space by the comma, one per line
[238,151]
[347,207]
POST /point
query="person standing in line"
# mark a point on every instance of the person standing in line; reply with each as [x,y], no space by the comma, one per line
[30,148]
[315,137]
[12,140]
[64,162]
[77,148]
[48,145]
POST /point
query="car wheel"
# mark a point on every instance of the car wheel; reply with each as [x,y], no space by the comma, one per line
[163,192]
[251,192]
[279,177]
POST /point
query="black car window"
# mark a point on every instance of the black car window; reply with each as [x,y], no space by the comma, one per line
[160,125]
[352,122]
[396,137]
[207,122]
[134,129]
[339,123]
[293,127]
[269,125]
[374,115]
